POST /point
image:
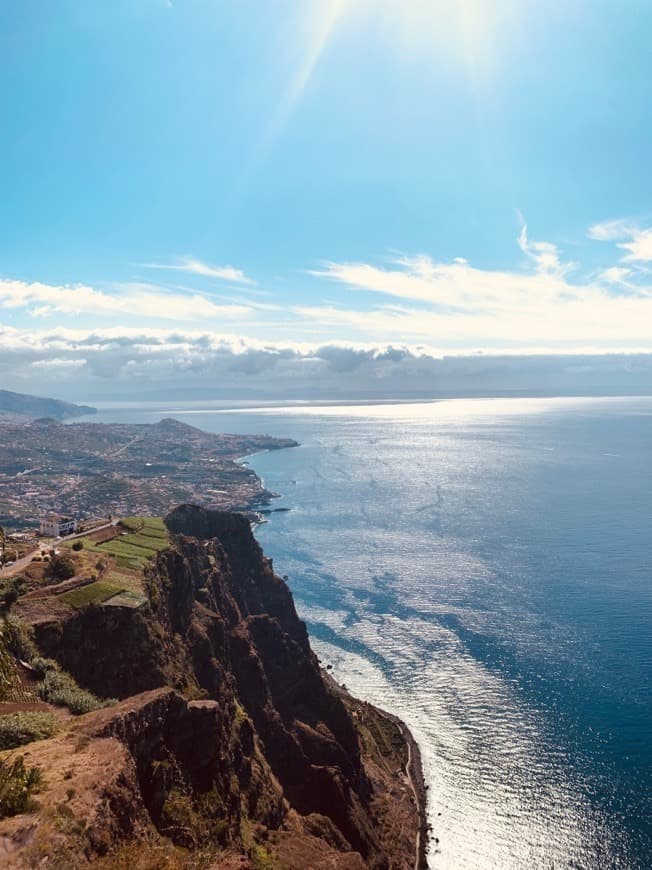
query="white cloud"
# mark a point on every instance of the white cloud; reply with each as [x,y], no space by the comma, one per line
[129,362]
[196,267]
[611,230]
[615,274]
[459,304]
[635,240]
[544,255]
[639,246]
[451,307]
[138,300]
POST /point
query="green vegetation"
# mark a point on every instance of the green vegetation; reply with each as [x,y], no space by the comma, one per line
[137,524]
[151,532]
[146,542]
[137,556]
[11,589]
[130,563]
[10,597]
[92,593]
[194,820]
[16,729]
[17,582]
[7,672]
[60,568]
[80,544]
[14,636]
[60,689]
[17,785]
[19,639]
[132,524]
[146,537]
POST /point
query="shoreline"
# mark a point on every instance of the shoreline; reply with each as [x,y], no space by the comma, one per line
[413,770]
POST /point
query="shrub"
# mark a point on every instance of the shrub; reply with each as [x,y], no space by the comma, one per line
[60,688]
[10,589]
[16,729]
[7,672]
[78,545]
[41,666]
[17,784]
[10,596]
[60,568]
[19,639]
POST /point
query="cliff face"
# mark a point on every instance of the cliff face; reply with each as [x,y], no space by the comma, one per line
[268,760]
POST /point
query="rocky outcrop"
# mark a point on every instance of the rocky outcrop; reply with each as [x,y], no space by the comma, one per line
[242,744]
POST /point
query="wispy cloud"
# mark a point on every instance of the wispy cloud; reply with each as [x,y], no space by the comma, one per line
[611,230]
[546,302]
[193,266]
[541,304]
[635,240]
[544,255]
[139,300]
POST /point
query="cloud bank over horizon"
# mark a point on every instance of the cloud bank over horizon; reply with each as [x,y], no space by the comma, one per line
[410,326]
[115,364]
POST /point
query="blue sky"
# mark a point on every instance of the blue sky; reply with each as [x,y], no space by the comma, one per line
[190,179]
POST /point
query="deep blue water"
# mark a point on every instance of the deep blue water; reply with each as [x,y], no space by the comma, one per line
[484,569]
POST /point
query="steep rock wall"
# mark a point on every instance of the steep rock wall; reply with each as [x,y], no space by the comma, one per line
[220,625]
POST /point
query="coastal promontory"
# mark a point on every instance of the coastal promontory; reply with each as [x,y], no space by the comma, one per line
[207,734]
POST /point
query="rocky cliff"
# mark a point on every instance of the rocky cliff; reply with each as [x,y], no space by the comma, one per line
[229,746]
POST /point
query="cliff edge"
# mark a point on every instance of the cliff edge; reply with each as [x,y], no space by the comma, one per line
[227,746]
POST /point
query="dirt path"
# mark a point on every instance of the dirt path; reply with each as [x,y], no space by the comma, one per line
[18,566]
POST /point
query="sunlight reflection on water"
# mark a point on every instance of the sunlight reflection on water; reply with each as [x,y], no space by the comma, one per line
[481,568]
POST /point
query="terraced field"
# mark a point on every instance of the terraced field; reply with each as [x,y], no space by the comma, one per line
[137,541]
[91,593]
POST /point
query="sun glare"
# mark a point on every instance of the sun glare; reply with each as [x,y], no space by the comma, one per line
[462,35]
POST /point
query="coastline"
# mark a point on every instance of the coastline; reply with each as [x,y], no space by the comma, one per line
[413,769]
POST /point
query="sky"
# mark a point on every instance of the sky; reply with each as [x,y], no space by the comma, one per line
[325,196]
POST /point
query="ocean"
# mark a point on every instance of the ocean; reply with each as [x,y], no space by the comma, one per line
[483,569]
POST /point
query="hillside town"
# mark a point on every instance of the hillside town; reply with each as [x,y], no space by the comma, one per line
[54,476]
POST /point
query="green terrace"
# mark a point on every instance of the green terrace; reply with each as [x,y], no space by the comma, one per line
[136,542]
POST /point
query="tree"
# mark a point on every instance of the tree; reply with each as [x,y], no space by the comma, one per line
[60,568]
[3,541]
[11,596]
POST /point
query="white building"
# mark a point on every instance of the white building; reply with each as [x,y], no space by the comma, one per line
[56,526]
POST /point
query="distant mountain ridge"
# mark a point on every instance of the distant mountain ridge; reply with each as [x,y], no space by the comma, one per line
[16,406]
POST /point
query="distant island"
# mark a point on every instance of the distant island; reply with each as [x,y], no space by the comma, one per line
[20,406]
[89,470]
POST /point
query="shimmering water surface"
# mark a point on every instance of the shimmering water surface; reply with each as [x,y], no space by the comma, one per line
[483,568]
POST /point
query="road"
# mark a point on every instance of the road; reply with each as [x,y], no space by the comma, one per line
[20,564]
[17,567]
